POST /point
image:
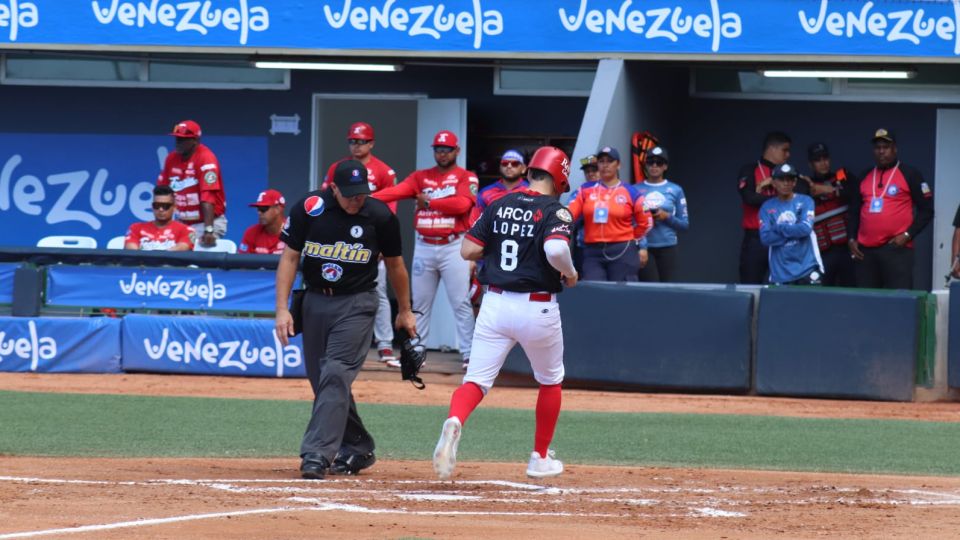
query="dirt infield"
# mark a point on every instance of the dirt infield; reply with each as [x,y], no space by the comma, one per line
[231,498]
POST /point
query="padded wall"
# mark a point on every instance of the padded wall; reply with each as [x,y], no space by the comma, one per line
[634,336]
[840,343]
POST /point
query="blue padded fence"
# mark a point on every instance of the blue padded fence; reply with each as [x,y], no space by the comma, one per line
[644,337]
[837,343]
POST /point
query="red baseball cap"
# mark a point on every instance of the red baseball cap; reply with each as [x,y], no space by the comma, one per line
[269,197]
[188,129]
[360,130]
[445,138]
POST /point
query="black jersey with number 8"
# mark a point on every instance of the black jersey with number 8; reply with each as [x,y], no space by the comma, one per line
[512,231]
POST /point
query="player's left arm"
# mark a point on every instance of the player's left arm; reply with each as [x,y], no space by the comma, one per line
[922,195]
[388,236]
[558,230]
[462,200]
[185,239]
[680,219]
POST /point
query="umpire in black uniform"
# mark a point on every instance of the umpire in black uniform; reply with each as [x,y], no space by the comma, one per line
[341,233]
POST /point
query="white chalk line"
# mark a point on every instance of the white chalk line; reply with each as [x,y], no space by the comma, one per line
[154,521]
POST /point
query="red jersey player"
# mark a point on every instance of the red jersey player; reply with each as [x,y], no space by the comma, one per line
[193,172]
[445,196]
[264,237]
[161,234]
[360,139]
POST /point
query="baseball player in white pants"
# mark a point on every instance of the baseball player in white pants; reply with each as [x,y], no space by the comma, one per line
[523,239]
[445,196]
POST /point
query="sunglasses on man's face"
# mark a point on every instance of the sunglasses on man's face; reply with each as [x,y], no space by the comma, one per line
[162,206]
[443,149]
[656,163]
[263,209]
[359,142]
[510,164]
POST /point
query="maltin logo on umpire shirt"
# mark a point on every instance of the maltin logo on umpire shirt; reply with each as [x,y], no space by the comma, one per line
[341,251]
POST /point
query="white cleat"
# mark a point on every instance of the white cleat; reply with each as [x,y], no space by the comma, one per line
[445,455]
[543,467]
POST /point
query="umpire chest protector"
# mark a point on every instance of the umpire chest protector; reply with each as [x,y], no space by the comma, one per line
[340,251]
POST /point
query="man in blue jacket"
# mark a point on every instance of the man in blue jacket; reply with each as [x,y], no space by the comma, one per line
[786,228]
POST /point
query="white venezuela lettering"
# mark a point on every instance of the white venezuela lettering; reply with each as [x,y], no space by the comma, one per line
[193,16]
[15,14]
[666,22]
[33,348]
[227,354]
[27,192]
[177,289]
[903,25]
[424,20]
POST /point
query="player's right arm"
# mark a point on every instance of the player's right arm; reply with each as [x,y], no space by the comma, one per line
[769,236]
[747,186]
[132,241]
[407,189]
[474,241]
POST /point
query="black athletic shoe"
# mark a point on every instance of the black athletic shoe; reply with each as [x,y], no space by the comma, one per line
[352,464]
[314,466]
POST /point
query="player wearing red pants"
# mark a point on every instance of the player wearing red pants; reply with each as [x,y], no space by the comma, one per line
[523,240]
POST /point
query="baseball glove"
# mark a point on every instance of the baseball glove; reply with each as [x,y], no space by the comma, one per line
[412,355]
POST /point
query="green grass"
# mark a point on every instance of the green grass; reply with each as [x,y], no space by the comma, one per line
[112,425]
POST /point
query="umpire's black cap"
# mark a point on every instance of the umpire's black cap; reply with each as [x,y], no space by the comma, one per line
[350,176]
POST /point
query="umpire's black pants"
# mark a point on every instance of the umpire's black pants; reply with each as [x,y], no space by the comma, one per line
[754,259]
[885,267]
[336,338]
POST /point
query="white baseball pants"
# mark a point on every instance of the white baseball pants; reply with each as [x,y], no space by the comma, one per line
[508,318]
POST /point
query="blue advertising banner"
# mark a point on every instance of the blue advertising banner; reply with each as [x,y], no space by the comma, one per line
[6,282]
[68,185]
[55,345]
[923,28]
[161,288]
[209,346]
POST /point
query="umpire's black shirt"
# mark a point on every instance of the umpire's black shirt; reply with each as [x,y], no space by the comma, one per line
[340,251]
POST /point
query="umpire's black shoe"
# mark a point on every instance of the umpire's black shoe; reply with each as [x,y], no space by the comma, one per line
[314,466]
[352,464]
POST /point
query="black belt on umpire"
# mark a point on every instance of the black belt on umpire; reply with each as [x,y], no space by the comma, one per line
[330,291]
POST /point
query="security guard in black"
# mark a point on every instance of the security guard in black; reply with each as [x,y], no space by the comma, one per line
[512,230]
[340,251]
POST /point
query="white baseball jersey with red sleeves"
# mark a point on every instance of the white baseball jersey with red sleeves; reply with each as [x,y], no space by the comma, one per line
[452,195]
[194,180]
[379,176]
[152,238]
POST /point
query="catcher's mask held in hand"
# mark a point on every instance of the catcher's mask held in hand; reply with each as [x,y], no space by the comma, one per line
[412,355]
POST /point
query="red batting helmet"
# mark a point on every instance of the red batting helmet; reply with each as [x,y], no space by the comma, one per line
[188,129]
[554,161]
[361,130]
